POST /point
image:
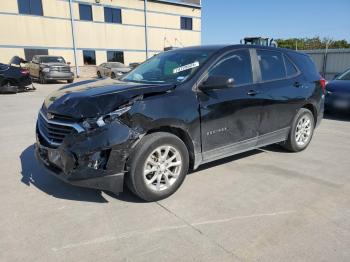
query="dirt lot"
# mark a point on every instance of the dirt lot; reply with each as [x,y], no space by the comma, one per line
[265,205]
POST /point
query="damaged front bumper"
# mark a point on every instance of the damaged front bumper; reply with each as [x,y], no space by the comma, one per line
[94,159]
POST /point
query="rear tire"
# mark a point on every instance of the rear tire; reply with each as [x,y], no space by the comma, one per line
[301,132]
[158,166]
[70,81]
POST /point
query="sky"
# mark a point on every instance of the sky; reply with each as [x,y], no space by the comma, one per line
[228,21]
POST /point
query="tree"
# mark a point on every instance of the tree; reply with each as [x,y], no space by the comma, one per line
[312,43]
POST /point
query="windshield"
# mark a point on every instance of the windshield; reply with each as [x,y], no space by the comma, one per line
[116,65]
[52,59]
[169,67]
[344,76]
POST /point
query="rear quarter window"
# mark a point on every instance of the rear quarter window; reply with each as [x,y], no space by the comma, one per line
[305,65]
[290,68]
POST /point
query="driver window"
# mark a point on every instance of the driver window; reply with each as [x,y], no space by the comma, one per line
[236,65]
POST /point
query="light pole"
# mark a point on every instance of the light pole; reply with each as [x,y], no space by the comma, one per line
[146,28]
[73,38]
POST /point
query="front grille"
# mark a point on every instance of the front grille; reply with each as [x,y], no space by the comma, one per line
[53,131]
[63,69]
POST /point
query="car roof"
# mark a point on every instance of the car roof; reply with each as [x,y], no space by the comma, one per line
[232,47]
[48,55]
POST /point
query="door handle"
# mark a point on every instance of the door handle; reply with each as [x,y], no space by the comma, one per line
[252,92]
[298,84]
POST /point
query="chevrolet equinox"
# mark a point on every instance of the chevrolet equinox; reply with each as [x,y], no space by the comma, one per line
[176,111]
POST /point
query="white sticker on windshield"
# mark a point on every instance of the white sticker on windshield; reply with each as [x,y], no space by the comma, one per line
[185,67]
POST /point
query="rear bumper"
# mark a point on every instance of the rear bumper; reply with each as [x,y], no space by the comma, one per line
[337,103]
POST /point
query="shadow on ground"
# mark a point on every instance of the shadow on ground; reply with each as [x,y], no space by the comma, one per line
[337,116]
[33,174]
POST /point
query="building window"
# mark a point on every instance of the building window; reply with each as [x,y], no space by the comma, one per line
[85,12]
[186,23]
[115,56]
[30,7]
[89,57]
[29,53]
[113,15]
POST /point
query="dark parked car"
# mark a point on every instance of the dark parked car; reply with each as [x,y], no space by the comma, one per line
[13,77]
[45,68]
[178,110]
[338,93]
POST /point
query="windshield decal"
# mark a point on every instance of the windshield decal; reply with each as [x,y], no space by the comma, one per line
[185,67]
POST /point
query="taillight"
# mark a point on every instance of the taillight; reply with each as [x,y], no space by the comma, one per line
[24,71]
[323,83]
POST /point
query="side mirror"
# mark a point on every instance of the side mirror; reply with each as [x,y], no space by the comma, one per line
[217,82]
[336,75]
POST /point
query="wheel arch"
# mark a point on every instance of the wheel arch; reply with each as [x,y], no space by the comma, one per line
[313,110]
[180,133]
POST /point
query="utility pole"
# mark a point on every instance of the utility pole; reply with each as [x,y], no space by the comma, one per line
[146,28]
[328,43]
[73,38]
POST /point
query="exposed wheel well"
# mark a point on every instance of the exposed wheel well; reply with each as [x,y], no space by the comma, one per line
[313,111]
[183,135]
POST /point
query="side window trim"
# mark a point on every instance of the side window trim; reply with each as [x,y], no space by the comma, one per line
[206,72]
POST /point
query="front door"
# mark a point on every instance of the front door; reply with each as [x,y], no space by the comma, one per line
[230,115]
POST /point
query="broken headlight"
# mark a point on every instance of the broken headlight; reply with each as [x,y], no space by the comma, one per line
[93,123]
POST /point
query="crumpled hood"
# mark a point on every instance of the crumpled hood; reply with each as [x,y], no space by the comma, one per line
[342,86]
[92,98]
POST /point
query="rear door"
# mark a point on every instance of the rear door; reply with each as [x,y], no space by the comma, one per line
[281,87]
[230,115]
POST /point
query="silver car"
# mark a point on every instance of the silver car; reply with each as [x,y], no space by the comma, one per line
[112,69]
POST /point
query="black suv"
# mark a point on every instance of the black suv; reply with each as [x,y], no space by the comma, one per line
[176,111]
[45,68]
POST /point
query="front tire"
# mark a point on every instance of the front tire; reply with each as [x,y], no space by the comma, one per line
[158,166]
[301,132]
[99,74]
[69,81]
[113,76]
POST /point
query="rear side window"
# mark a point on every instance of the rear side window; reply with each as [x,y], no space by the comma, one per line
[271,65]
[235,65]
[290,68]
[305,65]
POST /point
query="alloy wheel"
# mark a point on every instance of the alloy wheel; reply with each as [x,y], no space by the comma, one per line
[303,131]
[162,168]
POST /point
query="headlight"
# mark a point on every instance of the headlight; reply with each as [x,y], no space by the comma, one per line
[119,73]
[46,69]
[93,123]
